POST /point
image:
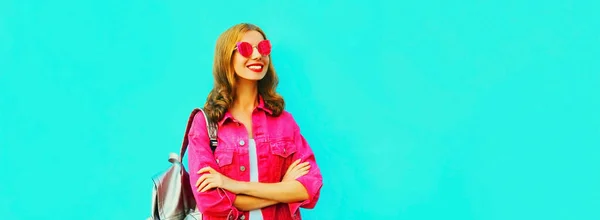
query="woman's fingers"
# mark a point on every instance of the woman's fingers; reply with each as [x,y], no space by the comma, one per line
[206,181]
[301,174]
[302,165]
[206,170]
[201,179]
[306,168]
[293,165]
[204,184]
[208,186]
[296,170]
[301,171]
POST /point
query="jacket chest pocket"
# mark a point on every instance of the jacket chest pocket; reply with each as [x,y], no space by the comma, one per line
[282,152]
[224,159]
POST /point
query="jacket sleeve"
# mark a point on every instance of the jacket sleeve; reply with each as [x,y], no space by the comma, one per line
[215,202]
[312,181]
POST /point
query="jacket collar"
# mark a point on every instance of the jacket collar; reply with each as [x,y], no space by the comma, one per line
[261,106]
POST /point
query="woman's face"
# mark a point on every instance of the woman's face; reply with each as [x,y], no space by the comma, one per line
[251,57]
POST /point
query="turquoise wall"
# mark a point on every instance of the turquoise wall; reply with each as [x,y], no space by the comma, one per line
[415,110]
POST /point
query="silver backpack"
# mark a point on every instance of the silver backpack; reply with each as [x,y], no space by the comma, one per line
[172,196]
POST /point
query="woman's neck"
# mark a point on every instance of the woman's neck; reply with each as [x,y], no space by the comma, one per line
[246,95]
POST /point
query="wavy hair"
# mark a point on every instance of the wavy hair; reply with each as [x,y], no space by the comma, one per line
[221,97]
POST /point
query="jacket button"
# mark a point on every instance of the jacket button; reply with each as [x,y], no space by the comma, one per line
[242,168]
[243,217]
[217,161]
[242,142]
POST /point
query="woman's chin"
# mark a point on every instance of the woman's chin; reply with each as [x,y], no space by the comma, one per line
[253,76]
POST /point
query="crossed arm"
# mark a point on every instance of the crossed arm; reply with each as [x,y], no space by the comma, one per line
[256,195]
[248,203]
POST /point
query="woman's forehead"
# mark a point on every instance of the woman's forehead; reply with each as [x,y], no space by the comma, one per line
[252,37]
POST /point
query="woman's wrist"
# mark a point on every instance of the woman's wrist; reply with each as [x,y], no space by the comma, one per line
[236,187]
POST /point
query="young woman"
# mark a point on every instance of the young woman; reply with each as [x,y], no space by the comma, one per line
[262,168]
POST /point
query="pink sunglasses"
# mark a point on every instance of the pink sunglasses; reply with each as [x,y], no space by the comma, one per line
[246,49]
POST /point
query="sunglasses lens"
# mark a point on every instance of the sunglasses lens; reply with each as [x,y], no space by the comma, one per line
[264,47]
[244,48]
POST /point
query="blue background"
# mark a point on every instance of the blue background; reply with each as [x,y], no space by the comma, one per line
[415,110]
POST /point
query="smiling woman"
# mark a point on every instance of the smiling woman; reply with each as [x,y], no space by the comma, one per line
[262,168]
[248,58]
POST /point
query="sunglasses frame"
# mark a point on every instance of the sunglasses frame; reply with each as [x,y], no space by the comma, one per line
[264,44]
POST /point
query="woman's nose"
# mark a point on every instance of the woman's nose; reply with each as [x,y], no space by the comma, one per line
[255,54]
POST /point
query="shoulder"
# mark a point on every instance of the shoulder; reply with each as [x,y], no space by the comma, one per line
[285,117]
[198,124]
[285,123]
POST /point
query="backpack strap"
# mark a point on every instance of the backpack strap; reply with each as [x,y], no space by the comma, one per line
[210,126]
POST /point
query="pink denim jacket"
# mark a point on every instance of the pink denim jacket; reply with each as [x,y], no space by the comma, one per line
[278,144]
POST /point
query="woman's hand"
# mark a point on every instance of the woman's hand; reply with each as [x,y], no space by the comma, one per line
[213,179]
[296,170]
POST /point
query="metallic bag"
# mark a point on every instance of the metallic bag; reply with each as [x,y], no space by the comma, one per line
[172,196]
